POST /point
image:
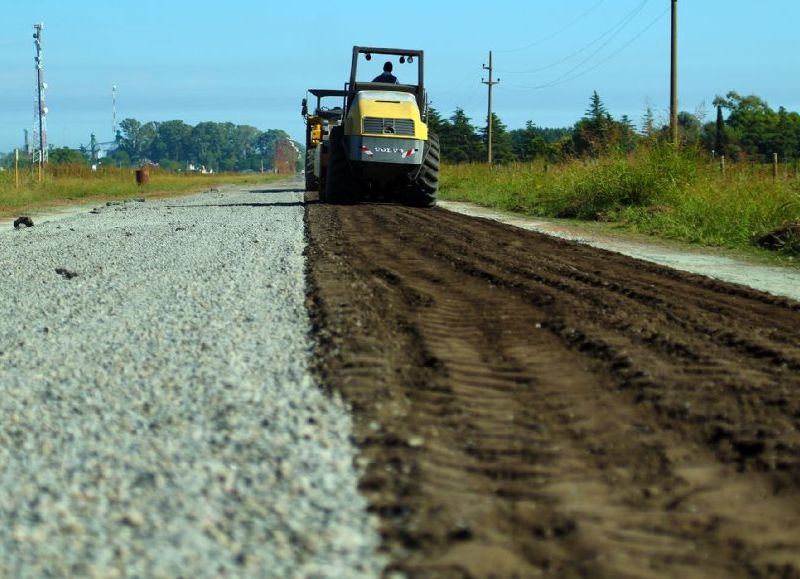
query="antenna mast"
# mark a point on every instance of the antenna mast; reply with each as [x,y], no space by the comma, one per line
[40,117]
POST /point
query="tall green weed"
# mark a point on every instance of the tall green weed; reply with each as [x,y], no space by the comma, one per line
[673,194]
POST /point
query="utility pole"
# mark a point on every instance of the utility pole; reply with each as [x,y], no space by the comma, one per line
[41,108]
[490,83]
[673,106]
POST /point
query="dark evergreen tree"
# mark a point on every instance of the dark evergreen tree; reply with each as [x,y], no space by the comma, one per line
[502,148]
[522,142]
[436,123]
[596,132]
[628,136]
[596,112]
[535,142]
[462,143]
[649,129]
[442,128]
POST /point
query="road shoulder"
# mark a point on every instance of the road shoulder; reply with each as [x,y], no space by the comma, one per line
[780,281]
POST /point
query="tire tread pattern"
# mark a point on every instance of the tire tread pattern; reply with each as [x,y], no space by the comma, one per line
[312,183]
[425,185]
[339,182]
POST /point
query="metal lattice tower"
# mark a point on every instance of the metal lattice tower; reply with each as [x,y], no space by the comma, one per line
[40,111]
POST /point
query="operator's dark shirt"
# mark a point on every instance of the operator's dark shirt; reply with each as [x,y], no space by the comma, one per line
[386,77]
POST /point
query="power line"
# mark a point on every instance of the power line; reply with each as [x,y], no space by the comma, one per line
[471,97]
[467,97]
[623,24]
[618,27]
[562,80]
[558,32]
[467,93]
[462,88]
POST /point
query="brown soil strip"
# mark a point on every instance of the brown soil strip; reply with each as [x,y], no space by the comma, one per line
[527,406]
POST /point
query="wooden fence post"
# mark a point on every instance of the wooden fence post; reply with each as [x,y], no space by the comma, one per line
[722,164]
[775,166]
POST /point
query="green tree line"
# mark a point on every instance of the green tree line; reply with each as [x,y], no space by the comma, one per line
[218,146]
[745,128]
[752,129]
[174,145]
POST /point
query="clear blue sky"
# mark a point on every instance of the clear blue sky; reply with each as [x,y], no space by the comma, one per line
[250,62]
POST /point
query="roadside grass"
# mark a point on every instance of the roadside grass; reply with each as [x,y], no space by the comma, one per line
[659,191]
[75,184]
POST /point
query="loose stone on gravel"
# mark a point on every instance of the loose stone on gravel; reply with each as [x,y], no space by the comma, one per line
[65,273]
[23,221]
[165,424]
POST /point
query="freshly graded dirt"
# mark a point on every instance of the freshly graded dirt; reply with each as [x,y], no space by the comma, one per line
[527,406]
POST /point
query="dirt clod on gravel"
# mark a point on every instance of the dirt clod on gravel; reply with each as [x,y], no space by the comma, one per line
[23,221]
[65,273]
[528,406]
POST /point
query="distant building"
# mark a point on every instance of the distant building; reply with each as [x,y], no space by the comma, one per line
[192,168]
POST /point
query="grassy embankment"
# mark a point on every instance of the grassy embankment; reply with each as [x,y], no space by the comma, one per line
[660,192]
[74,184]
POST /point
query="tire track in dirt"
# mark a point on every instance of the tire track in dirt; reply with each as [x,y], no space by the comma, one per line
[530,406]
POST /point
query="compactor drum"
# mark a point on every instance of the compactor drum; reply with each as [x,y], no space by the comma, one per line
[318,126]
[383,146]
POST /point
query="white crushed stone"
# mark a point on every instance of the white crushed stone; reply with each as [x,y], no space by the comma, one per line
[157,415]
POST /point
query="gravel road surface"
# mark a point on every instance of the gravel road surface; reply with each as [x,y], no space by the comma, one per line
[157,416]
